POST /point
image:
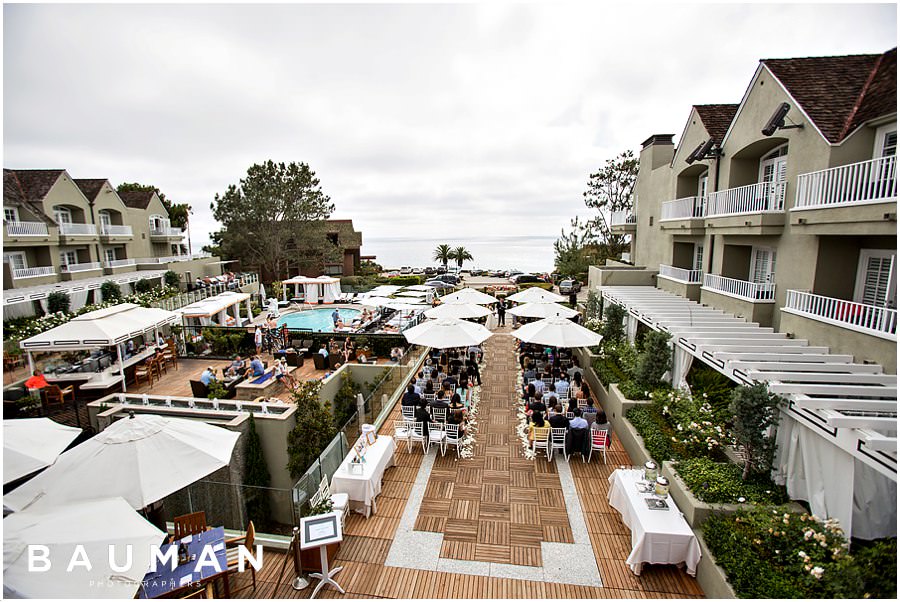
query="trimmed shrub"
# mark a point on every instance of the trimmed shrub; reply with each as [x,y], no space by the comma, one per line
[653,361]
[613,329]
[110,291]
[408,280]
[58,301]
[143,286]
[544,285]
[721,483]
[172,279]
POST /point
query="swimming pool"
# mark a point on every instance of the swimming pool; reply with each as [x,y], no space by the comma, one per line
[317,320]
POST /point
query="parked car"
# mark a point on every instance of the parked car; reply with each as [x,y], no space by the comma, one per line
[438,283]
[525,278]
[406,270]
[418,271]
[449,278]
[429,271]
[569,286]
[441,269]
[475,272]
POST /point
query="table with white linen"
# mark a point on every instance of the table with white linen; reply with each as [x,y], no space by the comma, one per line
[364,488]
[657,536]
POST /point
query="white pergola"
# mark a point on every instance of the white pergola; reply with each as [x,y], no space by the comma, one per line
[849,405]
[329,292]
[219,310]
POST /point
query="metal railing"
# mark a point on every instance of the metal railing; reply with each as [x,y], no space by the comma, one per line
[118,263]
[33,272]
[184,299]
[744,289]
[684,208]
[27,229]
[681,274]
[754,198]
[166,231]
[111,230]
[865,182]
[171,258]
[78,229]
[80,267]
[860,317]
[622,218]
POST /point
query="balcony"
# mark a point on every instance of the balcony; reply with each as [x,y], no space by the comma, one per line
[681,274]
[111,231]
[859,317]
[689,207]
[171,258]
[756,292]
[80,267]
[18,229]
[119,263]
[66,229]
[752,209]
[20,273]
[623,222]
[850,199]
[166,232]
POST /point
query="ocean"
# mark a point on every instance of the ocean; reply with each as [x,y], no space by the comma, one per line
[526,253]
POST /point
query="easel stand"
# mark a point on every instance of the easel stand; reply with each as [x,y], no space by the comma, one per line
[326,575]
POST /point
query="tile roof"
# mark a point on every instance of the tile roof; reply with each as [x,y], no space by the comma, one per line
[137,199]
[15,195]
[840,91]
[348,237]
[90,188]
[716,119]
[36,183]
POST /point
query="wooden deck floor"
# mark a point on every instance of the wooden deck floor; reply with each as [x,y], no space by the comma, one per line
[496,506]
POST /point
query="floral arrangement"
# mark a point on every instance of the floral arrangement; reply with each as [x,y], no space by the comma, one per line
[467,443]
[522,420]
[692,419]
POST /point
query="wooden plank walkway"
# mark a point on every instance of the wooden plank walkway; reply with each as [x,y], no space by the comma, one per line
[495,507]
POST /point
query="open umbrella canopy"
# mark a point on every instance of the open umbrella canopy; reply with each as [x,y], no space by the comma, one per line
[469,295]
[536,294]
[447,332]
[378,301]
[458,310]
[419,287]
[542,310]
[95,525]
[415,293]
[30,444]
[384,289]
[557,332]
[142,459]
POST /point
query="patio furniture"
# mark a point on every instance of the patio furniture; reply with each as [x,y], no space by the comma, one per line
[54,398]
[408,413]
[541,440]
[438,436]
[198,389]
[417,436]
[246,541]
[402,430]
[439,414]
[30,444]
[334,360]
[143,371]
[558,442]
[184,578]
[600,442]
[452,436]
[319,361]
[340,502]
[362,489]
[170,354]
[189,524]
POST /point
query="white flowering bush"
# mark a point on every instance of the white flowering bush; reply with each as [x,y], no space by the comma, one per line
[467,443]
[692,420]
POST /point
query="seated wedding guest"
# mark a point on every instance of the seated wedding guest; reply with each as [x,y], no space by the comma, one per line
[424,417]
[537,421]
[529,394]
[550,392]
[537,406]
[410,398]
[575,371]
[557,419]
[601,423]
[457,414]
[578,422]
[538,385]
[561,385]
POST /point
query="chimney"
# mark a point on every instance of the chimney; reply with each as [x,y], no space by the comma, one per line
[658,150]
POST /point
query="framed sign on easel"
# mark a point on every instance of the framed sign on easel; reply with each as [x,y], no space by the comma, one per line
[318,532]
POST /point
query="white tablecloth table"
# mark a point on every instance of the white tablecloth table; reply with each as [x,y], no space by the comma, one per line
[657,536]
[364,488]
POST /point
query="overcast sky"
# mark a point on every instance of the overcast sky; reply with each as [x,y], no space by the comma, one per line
[466,120]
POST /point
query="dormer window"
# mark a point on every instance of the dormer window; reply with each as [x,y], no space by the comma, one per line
[158,222]
[10,214]
[62,215]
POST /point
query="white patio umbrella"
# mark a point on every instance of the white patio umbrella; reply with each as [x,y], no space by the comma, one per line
[447,332]
[542,310]
[415,293]
[557,332]
[96,525]
[457,310]
[143,459]
[30,444]
[378,301]
[469,295]
[536,294]
[419,287]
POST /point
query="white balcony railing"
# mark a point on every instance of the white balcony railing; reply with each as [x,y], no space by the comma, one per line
[743,289]
[172,258]
[80,267]
[622,218]
[111,230]
[118,263]
[166,231]
[686,208]
[754,198]
[872,181]
[78,229]
[681,274]
[26,229]
[33,272]
[860,317]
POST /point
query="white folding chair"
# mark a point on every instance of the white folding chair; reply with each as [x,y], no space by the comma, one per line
[547,382]
[340,502]
[439,414]
[438,436]
[429,397]
[541,440]
[558,441]
[570,415]
[582,403]
[408,412]
[600,442]
[402,431]
[451,436]
[417,436]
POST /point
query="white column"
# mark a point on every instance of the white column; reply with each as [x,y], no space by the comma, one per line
[121,367]
[631,326]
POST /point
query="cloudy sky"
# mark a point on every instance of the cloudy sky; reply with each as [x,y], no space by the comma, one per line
[426,122]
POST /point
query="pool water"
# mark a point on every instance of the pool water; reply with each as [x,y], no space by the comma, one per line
[317,320]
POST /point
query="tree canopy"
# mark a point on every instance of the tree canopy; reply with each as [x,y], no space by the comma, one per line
[274,216]
[460,255]
[179,213]
[443,253]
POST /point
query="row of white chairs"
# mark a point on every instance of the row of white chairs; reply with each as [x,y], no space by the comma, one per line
[441,434]
[551,439]
[340,502]
[437,414]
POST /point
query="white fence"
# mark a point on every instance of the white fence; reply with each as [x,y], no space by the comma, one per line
[751,291]
[166,231]
[622,218]
[865,182]
[111,230]
[118,263]
[684,208]
[681,274]
[33,272]
[27,229]
[855,316]
[753,198]
[78,229]
[81,267]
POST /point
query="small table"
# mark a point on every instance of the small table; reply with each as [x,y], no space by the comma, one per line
[364,488]
[657,536]
[165,580]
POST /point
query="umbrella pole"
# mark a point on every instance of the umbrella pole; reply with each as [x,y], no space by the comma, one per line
[121,367]
[30,363]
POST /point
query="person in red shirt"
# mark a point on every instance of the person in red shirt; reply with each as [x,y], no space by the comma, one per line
[37,381]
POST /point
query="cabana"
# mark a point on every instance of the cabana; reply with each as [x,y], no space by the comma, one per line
[323,289]
[109,327]
[222,310]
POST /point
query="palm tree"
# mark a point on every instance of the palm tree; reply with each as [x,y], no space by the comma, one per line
[443,253]
[459,255]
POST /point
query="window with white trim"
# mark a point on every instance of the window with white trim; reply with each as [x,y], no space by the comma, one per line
[10,214]
[110,255]
[105,219]
[698,257]
[702,183]
[16,260]
[886,141]
[876,278]
[762,265]
[158,222]
[62,215]
[68,258]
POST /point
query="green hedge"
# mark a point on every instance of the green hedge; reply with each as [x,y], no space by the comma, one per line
[648,426]
[544,285]
[720,483]
[409,280]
